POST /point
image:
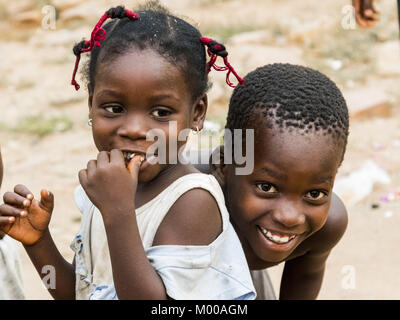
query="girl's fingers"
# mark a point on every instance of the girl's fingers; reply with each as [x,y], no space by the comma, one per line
[103,158]
[6,220]
[16,200]
[23,191]
[91,167]
[7,210]
[47,200]
[116,156]
[83,177]
[134,165]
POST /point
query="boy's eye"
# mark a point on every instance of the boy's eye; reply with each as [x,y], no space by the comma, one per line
[114,109]
[160,113]
[315,195]
[267,187]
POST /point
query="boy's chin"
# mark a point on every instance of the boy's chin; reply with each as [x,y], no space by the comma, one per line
[270,255]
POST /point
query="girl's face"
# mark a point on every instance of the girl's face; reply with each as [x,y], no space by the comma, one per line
[135,93]
[287,197]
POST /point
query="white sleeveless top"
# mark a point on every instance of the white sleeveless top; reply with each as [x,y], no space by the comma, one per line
[215,271]
[11,287]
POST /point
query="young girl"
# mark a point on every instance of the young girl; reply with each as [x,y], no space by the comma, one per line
[285,210]
[10,274]
[149,230]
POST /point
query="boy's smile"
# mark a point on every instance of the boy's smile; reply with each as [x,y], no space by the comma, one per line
[287,197]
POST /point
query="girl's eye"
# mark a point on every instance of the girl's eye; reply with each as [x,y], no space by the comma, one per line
[315,195]
[267,187]
[160,113]
[114,109]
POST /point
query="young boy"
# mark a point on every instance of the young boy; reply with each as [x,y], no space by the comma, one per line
[285,211]
[10,276]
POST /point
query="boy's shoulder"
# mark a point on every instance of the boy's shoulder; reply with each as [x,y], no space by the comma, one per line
[329,235]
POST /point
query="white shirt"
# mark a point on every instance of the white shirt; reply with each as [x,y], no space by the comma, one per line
[10,274]
[215,271]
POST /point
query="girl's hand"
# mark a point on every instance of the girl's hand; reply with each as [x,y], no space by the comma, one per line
[24,218]
[365,12]
[109,184]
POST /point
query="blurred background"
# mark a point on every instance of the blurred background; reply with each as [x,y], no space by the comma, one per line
[45,139]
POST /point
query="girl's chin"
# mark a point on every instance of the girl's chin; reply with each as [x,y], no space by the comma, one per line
[147,175]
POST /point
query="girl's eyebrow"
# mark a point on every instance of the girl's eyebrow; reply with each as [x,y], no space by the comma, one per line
[108,92]
[165,96]
[113,93]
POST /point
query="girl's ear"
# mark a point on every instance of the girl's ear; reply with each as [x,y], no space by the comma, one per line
[217,165]
[90,100]
[199,113]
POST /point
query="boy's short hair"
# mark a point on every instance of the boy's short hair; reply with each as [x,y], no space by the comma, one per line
[289,96]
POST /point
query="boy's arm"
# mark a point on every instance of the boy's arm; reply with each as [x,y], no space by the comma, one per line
[302,276]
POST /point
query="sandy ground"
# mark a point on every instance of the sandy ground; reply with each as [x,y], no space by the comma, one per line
[36,65]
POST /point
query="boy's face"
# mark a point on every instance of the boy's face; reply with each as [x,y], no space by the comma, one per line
[287,197]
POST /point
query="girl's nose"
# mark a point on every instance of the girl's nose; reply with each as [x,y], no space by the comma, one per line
[133,127]
[289,215]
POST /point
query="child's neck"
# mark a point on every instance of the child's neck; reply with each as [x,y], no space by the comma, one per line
[148,190]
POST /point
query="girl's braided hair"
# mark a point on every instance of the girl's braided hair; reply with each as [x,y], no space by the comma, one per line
[153,27]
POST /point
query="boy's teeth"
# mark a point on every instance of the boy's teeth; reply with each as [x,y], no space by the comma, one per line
[276,238]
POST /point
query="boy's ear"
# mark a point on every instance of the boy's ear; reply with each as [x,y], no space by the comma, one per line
[217,165]
[199,113]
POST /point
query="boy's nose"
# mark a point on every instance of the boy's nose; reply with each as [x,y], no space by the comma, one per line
[289,215]
[134,127]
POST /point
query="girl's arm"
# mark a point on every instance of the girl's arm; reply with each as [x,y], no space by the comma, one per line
[110,186]
[26,220]
[134,277]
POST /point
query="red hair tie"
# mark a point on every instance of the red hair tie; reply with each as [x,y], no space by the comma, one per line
[99,34]
[215,49]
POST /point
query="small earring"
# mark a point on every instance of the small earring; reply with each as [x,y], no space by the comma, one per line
[197,130]
[90,122]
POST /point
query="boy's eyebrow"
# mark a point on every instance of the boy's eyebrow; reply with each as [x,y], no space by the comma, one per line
[321,179]
[274,174]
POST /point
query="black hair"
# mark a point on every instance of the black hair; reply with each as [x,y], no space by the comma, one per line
[155,28]
[289,96]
